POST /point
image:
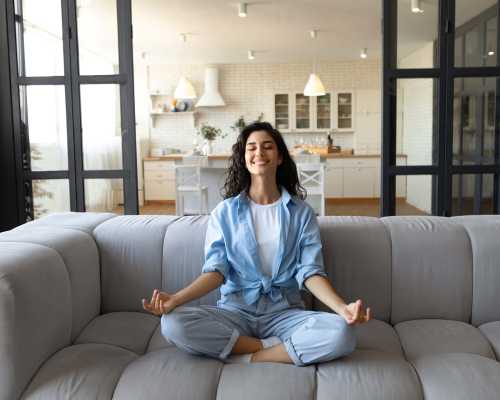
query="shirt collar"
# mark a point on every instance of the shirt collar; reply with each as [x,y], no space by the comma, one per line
[242,198]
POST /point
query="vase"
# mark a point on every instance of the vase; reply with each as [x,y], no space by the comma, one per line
[207,147]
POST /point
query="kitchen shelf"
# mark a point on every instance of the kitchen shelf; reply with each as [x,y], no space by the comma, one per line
[171,113]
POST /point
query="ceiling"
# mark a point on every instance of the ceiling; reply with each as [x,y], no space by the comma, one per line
[276,30]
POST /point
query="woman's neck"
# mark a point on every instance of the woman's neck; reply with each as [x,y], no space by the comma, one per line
[263,191]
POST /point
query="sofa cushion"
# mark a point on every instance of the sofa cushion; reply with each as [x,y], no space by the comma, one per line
[79,253]
[358,274]
[273,381]
[458,376]
[82,221]
[377,335]
[183,256]
[432,336]
[35,312]
[84,371]
[484,232]
[431,268]
[368,375]
[131,250]
[129,330]
[169,374]
[158,341]
[492,332]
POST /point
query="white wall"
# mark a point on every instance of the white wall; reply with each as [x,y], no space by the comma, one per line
[415,117]
[248,90]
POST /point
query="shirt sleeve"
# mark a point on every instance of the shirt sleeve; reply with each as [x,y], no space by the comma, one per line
[310,256]
[215,249]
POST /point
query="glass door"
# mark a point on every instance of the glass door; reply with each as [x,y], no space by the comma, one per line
[72,100]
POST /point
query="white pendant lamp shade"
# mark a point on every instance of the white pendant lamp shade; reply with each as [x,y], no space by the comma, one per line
[314,87]
[184,89]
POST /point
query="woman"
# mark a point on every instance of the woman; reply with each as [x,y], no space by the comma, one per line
[262,246]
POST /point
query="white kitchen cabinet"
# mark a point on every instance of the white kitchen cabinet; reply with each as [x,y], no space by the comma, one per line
[358,181]
[159,180]
[334,178]
[282,112]
[303,112]
[294,112]
[344,111]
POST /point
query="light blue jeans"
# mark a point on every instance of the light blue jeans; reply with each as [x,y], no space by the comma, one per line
[309,336]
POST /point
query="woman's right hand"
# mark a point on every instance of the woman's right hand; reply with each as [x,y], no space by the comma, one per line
[161,303]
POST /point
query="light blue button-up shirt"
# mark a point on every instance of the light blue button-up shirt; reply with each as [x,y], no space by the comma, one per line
[231,249]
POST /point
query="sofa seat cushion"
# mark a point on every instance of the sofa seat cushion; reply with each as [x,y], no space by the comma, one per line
[128,330]
[158,341]
[431,336]
[458,376]
[84,371]
[267,381]
[169,374]
[377,335]
[368,375]
[492,332]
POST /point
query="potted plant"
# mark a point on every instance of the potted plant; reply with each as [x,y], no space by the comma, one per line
[240,123]
[209,133]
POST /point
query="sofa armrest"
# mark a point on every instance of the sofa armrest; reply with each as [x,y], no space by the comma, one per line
[35,312]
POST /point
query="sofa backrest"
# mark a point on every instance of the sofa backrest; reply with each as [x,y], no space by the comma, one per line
[69,236]
[357,259]
[484,235]
[431,268]
[403,267]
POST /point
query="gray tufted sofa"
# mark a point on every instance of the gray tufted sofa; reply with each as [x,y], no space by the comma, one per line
[72,327]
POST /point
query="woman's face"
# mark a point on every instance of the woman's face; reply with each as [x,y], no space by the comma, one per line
[261,154]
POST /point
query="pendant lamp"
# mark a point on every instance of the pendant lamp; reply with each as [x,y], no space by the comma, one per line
[314,86]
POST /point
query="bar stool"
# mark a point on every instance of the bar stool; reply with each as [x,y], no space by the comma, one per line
[312,178]
[188,183]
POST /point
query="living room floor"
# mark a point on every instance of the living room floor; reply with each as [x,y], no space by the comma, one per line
[359,207]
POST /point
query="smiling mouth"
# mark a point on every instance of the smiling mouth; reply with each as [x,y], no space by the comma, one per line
[260,162]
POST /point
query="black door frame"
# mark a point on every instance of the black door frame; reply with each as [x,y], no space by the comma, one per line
[9,205]
[72,80]
[445,73]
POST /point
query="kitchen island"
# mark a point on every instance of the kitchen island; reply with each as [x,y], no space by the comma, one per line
[347,175]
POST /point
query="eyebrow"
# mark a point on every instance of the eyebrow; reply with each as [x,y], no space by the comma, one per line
[265,142]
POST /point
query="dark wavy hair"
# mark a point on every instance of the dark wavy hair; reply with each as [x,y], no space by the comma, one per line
[238,177]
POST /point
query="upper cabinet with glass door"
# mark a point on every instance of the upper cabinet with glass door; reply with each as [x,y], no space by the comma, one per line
[282,112]
[294,112]
[323,112]
[344,111]
[303,112]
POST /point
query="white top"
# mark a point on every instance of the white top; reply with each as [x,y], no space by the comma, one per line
[267,232]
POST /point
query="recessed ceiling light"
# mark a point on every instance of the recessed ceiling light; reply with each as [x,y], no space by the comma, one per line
[242,10]
[491,53]
[364,53]
[251,55]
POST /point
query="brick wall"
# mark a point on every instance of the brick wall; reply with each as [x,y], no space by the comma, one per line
[248,90]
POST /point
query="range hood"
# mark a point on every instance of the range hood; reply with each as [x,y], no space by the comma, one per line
[211,96]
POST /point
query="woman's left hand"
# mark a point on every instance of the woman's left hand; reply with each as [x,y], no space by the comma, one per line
[354,313]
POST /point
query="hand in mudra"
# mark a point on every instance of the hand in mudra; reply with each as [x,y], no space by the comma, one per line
[354,313]
[161,303]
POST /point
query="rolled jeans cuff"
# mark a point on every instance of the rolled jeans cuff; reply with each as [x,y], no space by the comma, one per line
[292,353]
[229,346]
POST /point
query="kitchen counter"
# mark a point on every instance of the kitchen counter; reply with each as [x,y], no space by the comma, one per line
[179,157]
